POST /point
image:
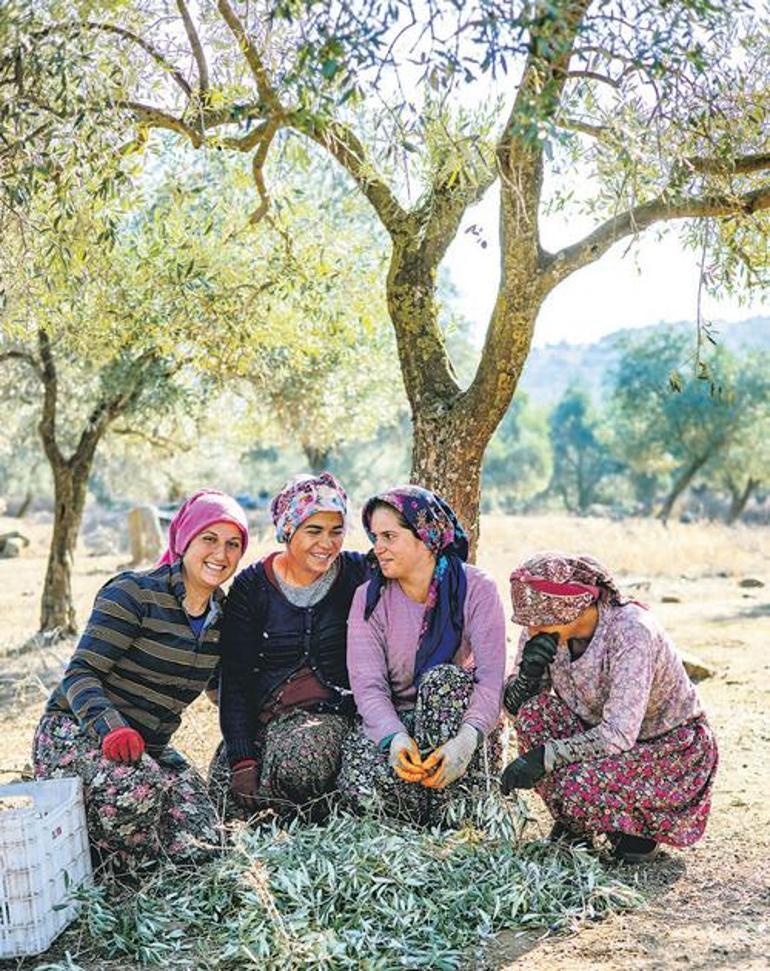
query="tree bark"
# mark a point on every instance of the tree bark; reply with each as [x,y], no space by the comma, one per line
[57,608]
[447,453]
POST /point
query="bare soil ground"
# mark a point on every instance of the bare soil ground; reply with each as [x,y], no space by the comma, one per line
[709,905]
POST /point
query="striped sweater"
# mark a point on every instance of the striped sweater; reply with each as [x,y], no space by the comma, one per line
[138,662]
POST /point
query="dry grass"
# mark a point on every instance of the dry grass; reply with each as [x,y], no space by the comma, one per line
[629,547]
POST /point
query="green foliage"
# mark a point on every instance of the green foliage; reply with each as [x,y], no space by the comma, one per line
[684,428]
[350,894]
[582,458]
[518,461]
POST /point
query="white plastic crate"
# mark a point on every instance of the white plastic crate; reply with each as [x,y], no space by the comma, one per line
[44,855]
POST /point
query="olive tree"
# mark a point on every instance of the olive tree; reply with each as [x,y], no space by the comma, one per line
[631,115]
[683,428]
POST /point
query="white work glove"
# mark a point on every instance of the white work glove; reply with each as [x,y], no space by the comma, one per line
[451,759]
[405,759]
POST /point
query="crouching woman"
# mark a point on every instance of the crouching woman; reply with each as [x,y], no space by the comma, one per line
[611,732]
[426,655]
[150,648]
[285,699]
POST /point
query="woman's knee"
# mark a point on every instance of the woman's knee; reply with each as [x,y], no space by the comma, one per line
[445,677]
[542,717]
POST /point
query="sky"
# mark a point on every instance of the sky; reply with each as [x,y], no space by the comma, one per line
[656,282]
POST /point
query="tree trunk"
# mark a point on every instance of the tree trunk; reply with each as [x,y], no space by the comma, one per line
[680,485]
[446,457]
[24,505]
[318,458]
[739,500]
[57,609]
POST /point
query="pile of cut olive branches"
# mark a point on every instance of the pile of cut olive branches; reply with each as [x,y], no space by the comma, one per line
[352,893]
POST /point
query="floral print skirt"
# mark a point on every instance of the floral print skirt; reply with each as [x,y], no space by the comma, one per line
[659,789]
[367,783]
[155,809]
[299,755]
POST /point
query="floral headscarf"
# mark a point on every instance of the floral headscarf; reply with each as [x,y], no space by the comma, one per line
[200,511]
[433,521]
[555,588]
[303,496]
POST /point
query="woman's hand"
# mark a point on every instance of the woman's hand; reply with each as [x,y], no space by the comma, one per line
[538,653]
[405,759]
[524,771]
[123,745]
[244,781]
[451,759]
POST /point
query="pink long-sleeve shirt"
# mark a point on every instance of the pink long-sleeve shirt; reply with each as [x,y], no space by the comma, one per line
[628,685]
[382,651]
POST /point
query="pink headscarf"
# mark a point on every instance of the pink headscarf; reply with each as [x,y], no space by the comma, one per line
[202,509]
[555,588]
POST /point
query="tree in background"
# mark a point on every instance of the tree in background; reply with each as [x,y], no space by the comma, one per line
[123,305]
[744,465]
[582,459]
[518,462]
[107,312]
[660,107]
[82,328]
[338,382]
[666,424]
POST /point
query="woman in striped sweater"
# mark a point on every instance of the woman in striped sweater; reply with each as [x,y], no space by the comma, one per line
[150,648]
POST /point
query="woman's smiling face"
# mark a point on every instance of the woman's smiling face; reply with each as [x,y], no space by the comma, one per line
[212,556]
[314,545]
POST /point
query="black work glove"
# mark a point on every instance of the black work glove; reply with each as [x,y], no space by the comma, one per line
[538,653]
[524,771]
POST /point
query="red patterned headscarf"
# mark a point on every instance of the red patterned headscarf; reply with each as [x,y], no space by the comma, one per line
[555,588]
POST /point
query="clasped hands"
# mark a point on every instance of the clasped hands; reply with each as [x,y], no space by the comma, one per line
[443,766]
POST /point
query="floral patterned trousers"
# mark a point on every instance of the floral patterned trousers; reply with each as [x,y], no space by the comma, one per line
[298,753]
[659,789]
[155,809]
[367,783]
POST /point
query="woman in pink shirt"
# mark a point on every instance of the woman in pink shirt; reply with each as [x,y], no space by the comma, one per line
[611,730]
[426,657]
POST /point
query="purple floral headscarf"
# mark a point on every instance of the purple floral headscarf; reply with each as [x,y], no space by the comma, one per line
[553,588]
[434,522]
[302,497]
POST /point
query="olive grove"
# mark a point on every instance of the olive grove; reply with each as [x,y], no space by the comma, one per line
[634,115]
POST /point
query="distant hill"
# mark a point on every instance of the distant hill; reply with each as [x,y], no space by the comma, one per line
[550,370]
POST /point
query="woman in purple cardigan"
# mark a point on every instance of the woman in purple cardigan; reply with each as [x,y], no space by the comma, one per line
[426,657]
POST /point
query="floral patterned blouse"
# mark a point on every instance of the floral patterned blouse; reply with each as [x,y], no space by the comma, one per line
[628,685]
